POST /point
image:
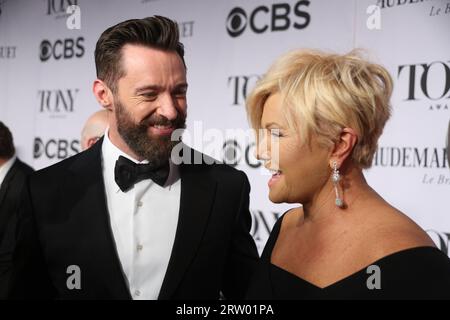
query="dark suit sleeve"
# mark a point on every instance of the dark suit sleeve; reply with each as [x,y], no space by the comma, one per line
[242,255]
[10,192]
[29,277]
[6,252]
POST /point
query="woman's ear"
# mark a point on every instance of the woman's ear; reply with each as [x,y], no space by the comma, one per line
[103,94]
[344,146]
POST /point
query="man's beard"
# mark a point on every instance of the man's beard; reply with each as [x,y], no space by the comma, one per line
[155,149]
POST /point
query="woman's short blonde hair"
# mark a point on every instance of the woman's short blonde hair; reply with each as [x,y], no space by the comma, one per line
[324,93]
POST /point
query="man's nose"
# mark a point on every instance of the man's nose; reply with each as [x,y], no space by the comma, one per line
[168,107]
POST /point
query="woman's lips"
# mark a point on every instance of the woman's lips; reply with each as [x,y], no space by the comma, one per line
[275,177]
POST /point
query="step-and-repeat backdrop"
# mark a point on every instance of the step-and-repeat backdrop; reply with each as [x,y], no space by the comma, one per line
[47,70]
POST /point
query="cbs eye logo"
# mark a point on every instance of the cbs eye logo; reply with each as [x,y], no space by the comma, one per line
[236,22]
[278,17]
[45,50]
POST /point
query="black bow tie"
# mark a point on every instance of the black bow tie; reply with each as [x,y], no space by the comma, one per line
[127,173]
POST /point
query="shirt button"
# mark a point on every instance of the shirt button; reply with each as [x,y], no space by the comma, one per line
[137,293]
[139,247]
[139,204]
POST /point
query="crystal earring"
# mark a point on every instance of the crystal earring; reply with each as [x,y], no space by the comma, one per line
[336,177]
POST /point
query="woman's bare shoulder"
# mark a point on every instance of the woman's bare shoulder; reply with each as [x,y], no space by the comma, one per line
[395,231]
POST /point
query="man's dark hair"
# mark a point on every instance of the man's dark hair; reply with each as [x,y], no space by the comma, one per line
[155,32]
[6,142]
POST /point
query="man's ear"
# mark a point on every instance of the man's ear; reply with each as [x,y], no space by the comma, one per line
[103,94]
[344,146]
[91,142]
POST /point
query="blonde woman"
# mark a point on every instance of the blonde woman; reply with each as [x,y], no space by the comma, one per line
[326,112]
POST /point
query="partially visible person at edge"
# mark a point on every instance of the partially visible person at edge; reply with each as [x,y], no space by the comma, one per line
[13,173]
[94,128]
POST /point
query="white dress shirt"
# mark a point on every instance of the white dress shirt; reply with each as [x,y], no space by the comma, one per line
[4,168]
[144,221]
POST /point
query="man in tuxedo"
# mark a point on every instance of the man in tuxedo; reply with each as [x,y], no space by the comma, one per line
[13,173]
[123,220]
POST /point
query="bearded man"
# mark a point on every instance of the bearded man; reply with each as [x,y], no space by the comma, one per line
[123,220]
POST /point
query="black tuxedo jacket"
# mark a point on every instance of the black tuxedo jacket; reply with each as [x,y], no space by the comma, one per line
[65,222]
[10,196]
[10,192]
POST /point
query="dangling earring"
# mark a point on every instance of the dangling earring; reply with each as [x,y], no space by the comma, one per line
[336,177]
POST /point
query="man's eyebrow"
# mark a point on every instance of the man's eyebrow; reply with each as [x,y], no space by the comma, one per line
[155,87]
[182,85]
[147,87]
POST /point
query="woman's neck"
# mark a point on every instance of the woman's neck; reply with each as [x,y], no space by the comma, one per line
[353,189]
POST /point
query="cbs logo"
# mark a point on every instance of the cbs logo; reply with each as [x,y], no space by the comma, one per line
[278,17]
[59,149]
[66,49]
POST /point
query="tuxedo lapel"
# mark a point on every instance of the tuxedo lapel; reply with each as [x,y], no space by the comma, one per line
[87,179]
[197,197]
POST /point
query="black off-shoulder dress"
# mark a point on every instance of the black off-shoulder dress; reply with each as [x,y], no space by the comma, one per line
[416,273]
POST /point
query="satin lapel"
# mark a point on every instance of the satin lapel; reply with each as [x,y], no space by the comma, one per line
[197,197]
